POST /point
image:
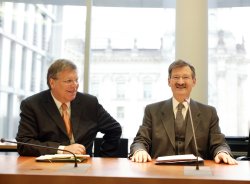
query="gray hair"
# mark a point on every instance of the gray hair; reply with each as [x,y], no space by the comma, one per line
[58,66]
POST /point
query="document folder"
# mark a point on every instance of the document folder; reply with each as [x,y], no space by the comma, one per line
[187,159]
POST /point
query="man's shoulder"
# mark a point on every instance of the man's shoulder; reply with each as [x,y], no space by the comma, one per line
[157,103]
[38,96]
[160,104]
[201,106]
[167,101]
[85,98]
[85,95]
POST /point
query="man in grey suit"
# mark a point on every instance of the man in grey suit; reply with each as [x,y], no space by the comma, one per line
[161,134]
[41,120]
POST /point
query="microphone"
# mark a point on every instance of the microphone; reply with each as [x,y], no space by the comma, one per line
[40,146]
[195,143]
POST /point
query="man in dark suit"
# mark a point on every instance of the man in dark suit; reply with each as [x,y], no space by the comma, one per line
[41,120]
[162,134]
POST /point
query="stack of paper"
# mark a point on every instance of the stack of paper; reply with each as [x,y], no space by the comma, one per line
[178,159]
[62,158]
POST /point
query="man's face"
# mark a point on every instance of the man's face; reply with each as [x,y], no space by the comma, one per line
[181,82]
[64,87]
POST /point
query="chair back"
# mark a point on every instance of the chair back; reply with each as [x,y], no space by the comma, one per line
[122,152]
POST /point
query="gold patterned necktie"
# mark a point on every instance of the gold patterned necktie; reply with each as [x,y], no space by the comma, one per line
[66,119]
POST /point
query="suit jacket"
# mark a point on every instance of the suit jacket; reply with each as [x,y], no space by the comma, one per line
[41,123]
[157,136]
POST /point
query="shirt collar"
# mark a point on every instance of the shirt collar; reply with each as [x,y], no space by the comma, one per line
[175,103]
[58,103]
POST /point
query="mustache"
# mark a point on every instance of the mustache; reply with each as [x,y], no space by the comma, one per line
[180,85]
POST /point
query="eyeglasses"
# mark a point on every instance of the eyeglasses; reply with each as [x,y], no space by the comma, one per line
[70,82]
[184,78]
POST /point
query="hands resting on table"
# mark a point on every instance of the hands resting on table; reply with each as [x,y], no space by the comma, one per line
[222,157]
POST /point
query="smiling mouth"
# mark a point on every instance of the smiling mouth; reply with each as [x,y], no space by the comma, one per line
[71,92]
[180,89]
[180,86]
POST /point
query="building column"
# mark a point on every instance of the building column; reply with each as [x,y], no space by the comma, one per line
[87,49]
[192,41]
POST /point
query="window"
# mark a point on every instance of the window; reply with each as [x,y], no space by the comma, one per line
[147,87]
[1,12]
[120,112]
[147,94]
[120,90]
[131,49]
[229,65]
[31,36]
[132,45]
[94,88]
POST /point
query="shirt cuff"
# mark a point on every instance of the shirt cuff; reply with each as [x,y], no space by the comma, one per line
[222,152]
[60,151]
[139,150]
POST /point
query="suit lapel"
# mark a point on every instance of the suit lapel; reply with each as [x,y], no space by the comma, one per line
[75,115]
[52,111]
[196,120]
[168,120]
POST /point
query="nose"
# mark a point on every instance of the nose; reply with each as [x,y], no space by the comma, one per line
[74,83]
[180,81]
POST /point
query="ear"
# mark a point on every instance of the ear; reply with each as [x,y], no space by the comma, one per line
[194,81]
[52,83]
[168,81]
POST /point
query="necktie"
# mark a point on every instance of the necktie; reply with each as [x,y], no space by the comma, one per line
[66,119]
[179,121]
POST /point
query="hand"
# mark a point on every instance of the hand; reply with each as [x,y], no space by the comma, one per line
[75,148]
[141,156]
[226,158]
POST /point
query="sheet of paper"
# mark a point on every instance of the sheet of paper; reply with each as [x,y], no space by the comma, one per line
[187,158]
[62,157]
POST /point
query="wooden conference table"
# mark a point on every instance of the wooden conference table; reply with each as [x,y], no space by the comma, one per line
[15,169]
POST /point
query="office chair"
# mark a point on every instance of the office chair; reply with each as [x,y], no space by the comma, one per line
[248,151]
[121,153]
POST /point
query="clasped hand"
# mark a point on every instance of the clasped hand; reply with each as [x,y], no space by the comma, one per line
[76,149]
